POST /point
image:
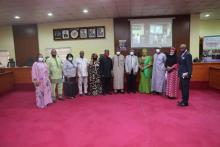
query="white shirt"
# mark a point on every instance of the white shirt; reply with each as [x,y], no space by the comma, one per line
[131,63]
[82,67]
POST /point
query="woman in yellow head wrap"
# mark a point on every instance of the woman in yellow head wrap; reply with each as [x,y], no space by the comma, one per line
[145,72]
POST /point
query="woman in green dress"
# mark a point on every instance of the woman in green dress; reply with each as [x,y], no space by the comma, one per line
[145,72]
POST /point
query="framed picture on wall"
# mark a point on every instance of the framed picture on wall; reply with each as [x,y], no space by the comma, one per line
[57,34]
[92,33]
[65,34]
[101,32]
[74,33]
[83,33]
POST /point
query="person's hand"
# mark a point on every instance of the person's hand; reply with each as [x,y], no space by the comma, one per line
[36,83]
[185,74]
[142,69]
[169,68]
[135,73]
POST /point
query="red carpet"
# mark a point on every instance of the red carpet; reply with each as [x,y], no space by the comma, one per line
[134,120]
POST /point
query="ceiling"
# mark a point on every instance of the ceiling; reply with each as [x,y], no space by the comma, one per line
[35,11]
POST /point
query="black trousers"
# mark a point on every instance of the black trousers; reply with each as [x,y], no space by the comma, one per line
[185,89]
[131,82]
[106,84]
[70,87]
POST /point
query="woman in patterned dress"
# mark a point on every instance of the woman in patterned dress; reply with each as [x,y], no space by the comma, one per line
[40,78]
[172,74]
[95,85]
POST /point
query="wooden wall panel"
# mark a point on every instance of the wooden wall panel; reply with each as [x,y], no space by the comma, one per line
[6,82]
[26,43]
[181,31]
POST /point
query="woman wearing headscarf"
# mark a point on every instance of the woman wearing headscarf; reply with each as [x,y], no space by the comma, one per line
[40,78]
[145,72]
[172,74]
[95,84]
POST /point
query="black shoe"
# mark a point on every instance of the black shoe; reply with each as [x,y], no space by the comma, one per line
[62,99]
[182,104]
[172,98]
[153,93]
[71,97]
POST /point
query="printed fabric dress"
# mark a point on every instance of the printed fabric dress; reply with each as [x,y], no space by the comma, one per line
[95,84]
[43,91]
[172,76]
[172,82]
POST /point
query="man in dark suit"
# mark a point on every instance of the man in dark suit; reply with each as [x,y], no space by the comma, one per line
[185,73]
[106,72]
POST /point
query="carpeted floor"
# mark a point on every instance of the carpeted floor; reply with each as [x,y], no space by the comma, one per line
[134,120]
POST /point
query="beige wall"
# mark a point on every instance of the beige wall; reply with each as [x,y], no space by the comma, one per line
[6,40]
[209,27]
[45,37]
[201,28]
[194,34]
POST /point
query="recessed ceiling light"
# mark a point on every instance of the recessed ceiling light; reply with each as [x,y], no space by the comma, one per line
[17,17]
[207,15]
[85,11]
[50,14]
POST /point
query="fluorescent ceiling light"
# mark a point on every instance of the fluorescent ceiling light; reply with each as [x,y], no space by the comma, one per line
[17,17]
[85,11]
[50,14]
[207,15]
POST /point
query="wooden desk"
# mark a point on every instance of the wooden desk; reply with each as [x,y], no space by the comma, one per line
[6,82]
[201,71]
[22,78]
[22,75]
[214,77]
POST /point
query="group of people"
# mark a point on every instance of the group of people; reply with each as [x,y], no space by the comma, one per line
[158,75]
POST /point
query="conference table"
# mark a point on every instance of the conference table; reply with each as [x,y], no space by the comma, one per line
[204,75]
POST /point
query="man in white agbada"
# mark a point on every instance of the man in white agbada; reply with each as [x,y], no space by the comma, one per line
[118,61]
[82,72]
[158,75]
